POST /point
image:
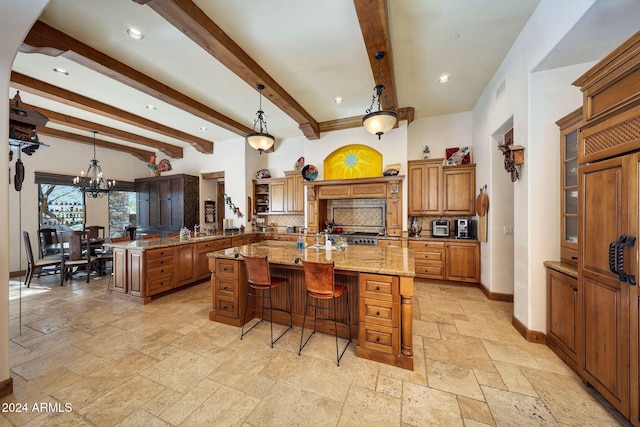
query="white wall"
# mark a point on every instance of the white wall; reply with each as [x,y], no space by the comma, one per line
[439,133]
[16,17]
[549,23]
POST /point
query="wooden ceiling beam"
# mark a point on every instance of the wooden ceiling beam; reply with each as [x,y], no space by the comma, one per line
[85,125]
[57,133]
[406,113]
[40,88]
[374,24]
[47,40]
[195,24]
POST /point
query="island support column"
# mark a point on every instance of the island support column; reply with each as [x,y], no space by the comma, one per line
[406,307]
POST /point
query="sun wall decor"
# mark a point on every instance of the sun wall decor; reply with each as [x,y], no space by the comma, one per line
[353,161]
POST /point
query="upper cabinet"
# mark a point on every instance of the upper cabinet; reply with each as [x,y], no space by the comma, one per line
[275,196]
[438,190]
[569,129]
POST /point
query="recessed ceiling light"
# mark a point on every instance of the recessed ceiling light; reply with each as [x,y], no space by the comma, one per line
[338,100]
[443,78]
[203,128]
[61,71]
[150,107]
[135,33]
[454,36]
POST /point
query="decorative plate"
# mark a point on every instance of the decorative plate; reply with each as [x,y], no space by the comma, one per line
[299,164]
[263,173]
[309,173]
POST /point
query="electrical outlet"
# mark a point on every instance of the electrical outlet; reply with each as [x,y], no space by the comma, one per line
[508,230]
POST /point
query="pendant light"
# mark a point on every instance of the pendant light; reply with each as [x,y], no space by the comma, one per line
[93,184]
[381,121]
[260,140]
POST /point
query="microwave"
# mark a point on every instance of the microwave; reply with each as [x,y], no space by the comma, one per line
[440,228]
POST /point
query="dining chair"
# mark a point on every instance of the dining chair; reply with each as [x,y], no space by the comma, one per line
[261,285]
[319,278]
[95,231]
[47,242]
[50,264]
[75,254]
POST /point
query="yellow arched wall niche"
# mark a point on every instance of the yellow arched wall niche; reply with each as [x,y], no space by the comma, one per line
[353,161]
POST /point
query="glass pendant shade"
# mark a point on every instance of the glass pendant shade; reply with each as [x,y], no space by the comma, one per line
[93,183]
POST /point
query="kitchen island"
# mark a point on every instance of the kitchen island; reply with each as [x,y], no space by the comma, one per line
[379,281]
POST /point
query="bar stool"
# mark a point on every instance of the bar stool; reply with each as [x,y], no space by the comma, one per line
[320,281]
[260,280]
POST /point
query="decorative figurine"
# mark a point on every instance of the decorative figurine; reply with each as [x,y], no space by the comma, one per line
[426,154]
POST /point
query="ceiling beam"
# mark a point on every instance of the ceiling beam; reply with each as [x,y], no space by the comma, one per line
[374,24]
[195,24]
[57,133]
[47,40]
[40,88]
[406,113]
[85,125]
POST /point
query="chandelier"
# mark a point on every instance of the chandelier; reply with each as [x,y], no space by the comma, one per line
[93,183]
[381,121]
[260,140]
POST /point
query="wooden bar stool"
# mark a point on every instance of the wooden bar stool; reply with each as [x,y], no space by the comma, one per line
[320,281]
[260,280]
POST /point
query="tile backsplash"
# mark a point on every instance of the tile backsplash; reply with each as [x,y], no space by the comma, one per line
[358,214]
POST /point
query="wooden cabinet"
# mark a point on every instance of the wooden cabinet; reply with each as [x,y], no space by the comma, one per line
[120,282]
[159,270]
[379,314]
[459,189]
[185,264]
[260,197]
[294,192]
[563,316]
[425,183]
[167,202]
[229,292]
[569,128]
[396,243]
[312,216]
[394,208]
[437,190]
[277,197]
[456,261]
[202,261]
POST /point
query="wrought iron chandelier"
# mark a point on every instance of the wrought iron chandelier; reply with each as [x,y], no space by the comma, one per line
[381,121]
[93,183]
[260,140]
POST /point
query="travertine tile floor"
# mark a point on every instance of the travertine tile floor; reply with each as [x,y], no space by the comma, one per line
[108,361]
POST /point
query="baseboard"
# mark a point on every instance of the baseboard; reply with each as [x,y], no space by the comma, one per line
[494,296]
[6,387]
[17,273]
[531,336]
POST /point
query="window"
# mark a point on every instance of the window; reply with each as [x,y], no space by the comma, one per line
[122,212]
[60,205]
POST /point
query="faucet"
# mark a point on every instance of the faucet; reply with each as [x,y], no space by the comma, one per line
[196,230]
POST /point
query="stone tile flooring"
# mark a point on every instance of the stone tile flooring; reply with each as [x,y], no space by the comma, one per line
[97,359]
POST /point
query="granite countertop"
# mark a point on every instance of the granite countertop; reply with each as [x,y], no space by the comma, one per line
[562,267]
[166,242]
[367,259]
[442,239]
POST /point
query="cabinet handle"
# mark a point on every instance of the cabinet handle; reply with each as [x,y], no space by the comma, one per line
[575,258]
[225,288]
[377,339]
[377,288]
[377,313]
[623,242]
[575,289]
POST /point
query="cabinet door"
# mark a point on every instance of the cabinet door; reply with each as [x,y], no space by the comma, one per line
[276,197]
[459,189]
[463,262]
[202,261]
[185,264]
[164,201]
[120,270]
[569,128]
[137,273]
[312,216]
[425,182]
[295,193]
[563,320]
[416,185]
[605,203]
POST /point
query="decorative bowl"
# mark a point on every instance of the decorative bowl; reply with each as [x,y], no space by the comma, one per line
[309,173]
[263,173]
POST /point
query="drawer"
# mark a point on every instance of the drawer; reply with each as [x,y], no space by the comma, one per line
[152,273]
[426,245]
[379,338]
[159,284]
[159,253]
[226,268]
[227,287]
[384,313]
[159,262]
[227,307]
[394,243]
[206,246]
[334,191]
[428,256]
[223,243]
[379,287]
[430,271]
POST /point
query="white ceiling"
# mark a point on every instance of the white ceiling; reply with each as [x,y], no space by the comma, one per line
[313,49]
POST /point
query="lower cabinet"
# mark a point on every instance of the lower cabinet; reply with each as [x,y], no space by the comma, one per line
[379,315]
[563,316]
[229,277]
[159,270]
[447,260]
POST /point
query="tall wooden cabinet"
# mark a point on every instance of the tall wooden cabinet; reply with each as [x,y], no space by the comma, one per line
[276,196]
[167,203]
[608,200]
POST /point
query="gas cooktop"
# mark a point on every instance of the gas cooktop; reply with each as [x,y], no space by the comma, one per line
[360,238]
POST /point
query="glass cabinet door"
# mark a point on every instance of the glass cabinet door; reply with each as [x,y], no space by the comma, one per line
[569,132]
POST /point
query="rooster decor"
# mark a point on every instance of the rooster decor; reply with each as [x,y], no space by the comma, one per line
[162,166]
